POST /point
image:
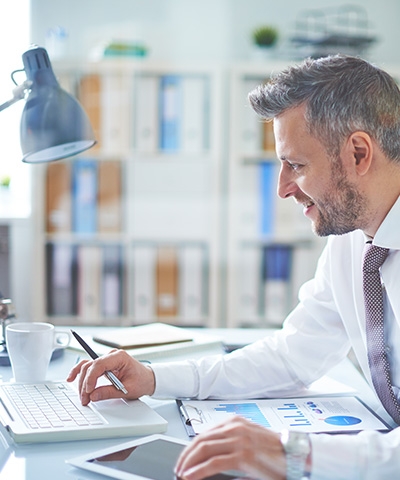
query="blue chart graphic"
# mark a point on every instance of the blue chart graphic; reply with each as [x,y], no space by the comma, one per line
[292,413]
[342,420]
[250,411]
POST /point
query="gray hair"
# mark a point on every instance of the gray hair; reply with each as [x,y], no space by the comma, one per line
[342,94]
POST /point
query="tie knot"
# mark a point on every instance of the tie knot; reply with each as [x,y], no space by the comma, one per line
[374,257]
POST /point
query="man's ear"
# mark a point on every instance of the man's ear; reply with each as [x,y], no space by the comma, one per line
[359,148]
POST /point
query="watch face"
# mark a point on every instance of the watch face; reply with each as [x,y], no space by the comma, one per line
[303,446]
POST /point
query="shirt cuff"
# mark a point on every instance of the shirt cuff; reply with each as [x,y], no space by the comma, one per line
[335,456]
[171,384]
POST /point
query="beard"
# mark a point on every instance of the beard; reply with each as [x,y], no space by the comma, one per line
[341,208]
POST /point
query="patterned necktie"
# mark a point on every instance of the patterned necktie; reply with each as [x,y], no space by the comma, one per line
[373,299]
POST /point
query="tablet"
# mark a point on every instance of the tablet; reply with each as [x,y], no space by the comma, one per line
[152,457]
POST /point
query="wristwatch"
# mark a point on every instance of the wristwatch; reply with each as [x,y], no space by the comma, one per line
[297,448]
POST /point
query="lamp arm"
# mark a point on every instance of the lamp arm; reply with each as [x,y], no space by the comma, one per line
[18,94]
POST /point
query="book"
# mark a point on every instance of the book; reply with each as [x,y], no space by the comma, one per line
[115,117]
[61,279]
[170,112]
[250,268]
[251,127]
[58,197]
[146,119]
[112,281]
[142,267]
[109,197]
[144,336]
[276,275]
[200,345]
[192,284]
[194,110]
[89,95]
[167,281]
[249,202]
[268,137]
[258,199]
[267,191]
[89,277]
[84,196]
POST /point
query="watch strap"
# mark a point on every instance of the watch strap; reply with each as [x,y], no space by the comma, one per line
[297,447]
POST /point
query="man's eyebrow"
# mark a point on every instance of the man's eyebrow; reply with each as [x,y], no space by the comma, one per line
[289,159]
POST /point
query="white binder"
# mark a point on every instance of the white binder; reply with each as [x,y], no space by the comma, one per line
[146,118]
[89,280]
[143,278]
[252,126]
[115,119]
[194,114]
[192,284]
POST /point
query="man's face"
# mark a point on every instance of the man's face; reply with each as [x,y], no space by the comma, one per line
[314,179]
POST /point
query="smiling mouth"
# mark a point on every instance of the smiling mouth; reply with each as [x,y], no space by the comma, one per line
[305,202]
[307,205]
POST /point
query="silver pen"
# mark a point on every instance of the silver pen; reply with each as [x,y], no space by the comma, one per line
[110,375]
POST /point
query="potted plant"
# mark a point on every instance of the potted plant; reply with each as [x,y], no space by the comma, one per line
[5,181]
[265,36]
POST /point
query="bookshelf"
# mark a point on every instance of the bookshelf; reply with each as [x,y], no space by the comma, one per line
[173,216]
[271,250]
[128,232]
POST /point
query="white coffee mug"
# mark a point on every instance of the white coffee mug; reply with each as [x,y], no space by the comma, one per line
[30,346]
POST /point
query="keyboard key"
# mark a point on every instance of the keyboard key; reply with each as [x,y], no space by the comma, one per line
[51,405]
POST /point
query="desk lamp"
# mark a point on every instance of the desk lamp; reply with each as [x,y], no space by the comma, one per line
[53,126]
[53,123]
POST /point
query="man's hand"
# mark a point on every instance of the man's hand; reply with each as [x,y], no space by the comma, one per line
[236,445]
[137,378]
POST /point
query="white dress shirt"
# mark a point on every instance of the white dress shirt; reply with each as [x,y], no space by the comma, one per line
[328,320]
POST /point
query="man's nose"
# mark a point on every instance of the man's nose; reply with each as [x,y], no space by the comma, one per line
[287,187]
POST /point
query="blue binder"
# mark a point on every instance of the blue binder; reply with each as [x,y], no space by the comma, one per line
[84,196]
[170,112]
[277,262]
[267,197]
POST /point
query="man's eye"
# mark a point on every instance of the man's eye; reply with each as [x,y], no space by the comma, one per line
[294,166]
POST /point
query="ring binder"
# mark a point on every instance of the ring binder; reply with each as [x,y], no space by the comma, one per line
[188,419]
[311,414]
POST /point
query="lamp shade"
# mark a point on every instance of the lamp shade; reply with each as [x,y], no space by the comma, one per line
[53,123]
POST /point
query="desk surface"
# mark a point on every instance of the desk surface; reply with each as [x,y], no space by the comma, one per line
[47,461]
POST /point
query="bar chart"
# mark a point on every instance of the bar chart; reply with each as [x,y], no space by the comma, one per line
[292,415]
[251,411]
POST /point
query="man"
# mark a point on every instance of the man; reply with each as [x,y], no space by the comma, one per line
[337,131]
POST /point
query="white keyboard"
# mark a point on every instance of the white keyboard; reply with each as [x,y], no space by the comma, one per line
[53,405]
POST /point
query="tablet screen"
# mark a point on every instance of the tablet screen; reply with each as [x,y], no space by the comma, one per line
[155,460]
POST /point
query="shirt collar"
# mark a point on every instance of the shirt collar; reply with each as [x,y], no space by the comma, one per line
[388,234]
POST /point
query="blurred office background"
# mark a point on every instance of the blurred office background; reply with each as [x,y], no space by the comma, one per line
[199,226]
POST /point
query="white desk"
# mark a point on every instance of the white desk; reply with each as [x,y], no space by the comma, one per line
[47,461]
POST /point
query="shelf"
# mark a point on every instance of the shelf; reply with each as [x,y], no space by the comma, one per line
[197,218]
[154,123]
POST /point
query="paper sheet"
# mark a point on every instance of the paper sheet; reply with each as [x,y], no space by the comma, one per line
[331,414]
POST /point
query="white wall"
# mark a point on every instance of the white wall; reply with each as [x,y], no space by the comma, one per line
[14,36]
[191,29]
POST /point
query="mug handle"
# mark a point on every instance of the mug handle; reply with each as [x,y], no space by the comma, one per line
[59,335]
